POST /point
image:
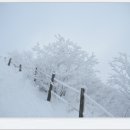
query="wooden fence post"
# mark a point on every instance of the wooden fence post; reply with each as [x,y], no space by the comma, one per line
[35,74]
[81,107]
[9,61]
[20,67]
[51,86]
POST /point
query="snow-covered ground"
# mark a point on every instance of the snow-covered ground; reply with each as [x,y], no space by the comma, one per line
[20,98]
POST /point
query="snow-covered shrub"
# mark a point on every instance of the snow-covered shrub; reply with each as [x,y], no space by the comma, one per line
[70,63]
[120,81]
[121,73]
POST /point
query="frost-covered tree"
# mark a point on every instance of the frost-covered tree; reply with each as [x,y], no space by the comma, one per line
[71,64]
[121,73]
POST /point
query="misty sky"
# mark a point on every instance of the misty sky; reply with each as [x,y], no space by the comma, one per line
[102,28]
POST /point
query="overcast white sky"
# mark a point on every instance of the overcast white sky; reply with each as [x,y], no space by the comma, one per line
[102,28]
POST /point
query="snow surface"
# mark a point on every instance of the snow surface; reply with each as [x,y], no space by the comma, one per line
[20,98]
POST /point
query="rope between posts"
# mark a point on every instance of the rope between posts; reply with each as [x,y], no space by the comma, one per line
[77,91]
[101,107]
[65,101]
[108,113]
[66,85]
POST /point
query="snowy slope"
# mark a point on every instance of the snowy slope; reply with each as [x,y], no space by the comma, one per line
[19,98]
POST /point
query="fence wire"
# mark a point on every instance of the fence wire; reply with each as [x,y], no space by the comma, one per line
[73,89]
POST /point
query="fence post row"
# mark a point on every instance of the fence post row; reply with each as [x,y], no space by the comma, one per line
[35,74]
[51,86]
[81,107]
[20,67]
[9,61]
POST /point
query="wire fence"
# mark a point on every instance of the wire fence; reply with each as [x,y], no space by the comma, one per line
[54,80]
